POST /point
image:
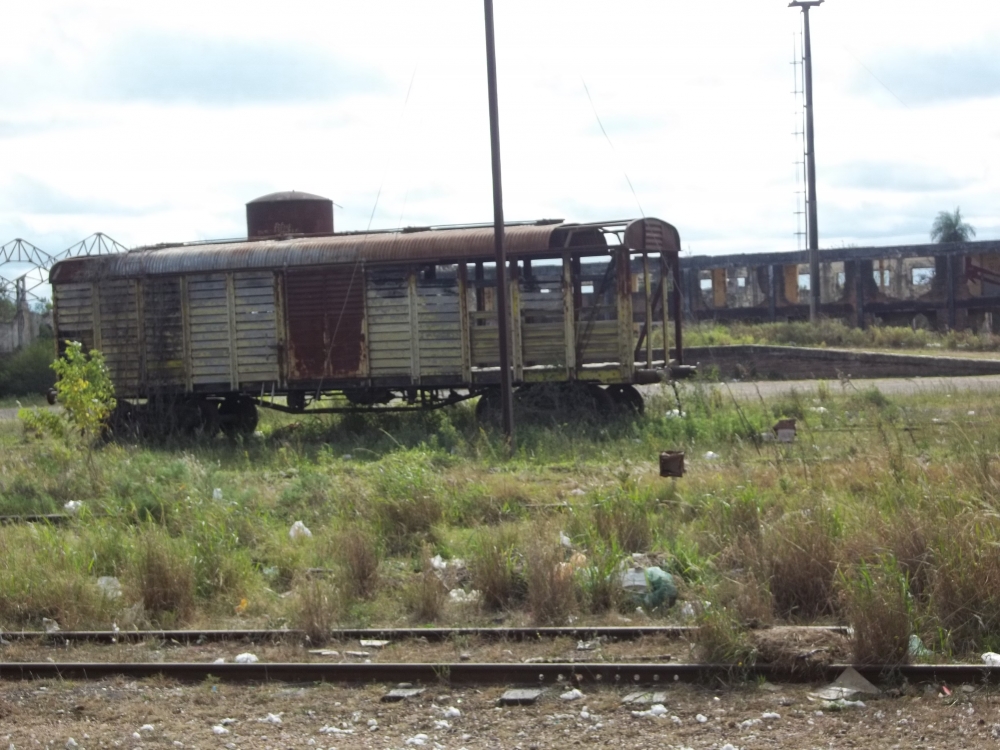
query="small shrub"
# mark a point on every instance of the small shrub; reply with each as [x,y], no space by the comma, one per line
[600,581]
[85,388]
[28,370]
[623,518]
[965,587]
[798,561]
[317,606]
[551,589]
[166,578]
[749,599]
[40,422]
[722,639]
[878,606]
[426,595]
[408,501]
[359,556]
[494,566]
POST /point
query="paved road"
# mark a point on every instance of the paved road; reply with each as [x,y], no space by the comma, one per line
[888,386]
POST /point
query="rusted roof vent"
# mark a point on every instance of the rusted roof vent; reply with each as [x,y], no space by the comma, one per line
[290,212]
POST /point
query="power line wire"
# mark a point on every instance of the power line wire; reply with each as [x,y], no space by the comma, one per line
[620,164]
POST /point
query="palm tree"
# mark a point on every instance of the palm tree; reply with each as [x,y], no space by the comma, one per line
[949,227]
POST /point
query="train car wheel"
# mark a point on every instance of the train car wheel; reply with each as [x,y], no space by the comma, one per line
[209,426]
[488,407]
[627,398]
[238,416]
[121,423]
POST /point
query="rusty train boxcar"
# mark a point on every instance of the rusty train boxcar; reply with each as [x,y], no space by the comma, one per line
[201,334]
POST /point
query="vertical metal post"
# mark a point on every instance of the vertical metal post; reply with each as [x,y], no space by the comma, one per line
[952,279]
[814,284]
[859,293]
[503,315]
[772,292]
[675,274]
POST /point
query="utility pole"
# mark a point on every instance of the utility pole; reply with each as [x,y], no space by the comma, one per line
[810,163]
[506,395]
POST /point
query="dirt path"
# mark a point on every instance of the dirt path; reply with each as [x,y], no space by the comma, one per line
[162,714]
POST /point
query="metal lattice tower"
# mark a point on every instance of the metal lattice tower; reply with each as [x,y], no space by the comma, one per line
[19,253]
[799,134]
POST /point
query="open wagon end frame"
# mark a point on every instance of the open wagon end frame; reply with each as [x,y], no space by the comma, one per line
[198,336]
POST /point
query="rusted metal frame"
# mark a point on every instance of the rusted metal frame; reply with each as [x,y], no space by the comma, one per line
[186,335]
[95,304]
[666,284]
[140,314]
[465,328]
[654,307]
[626,327]
[421,405]
[234,364]
[364,363]
[480,281]
[648,324]
[569,314]
[411,286]
[516,345]
[675,275]
[599,292]
[280,328]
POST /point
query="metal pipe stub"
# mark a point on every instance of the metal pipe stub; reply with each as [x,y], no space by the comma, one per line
[672,464]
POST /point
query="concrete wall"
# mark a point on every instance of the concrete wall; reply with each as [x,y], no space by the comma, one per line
[22,331]
[805,363]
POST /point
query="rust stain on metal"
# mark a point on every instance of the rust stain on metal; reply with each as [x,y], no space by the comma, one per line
[652,235]
[437,246]
[290,212]
[672,464]
[325,312]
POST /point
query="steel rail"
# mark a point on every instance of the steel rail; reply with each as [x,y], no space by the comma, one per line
[391,634]
[537,675]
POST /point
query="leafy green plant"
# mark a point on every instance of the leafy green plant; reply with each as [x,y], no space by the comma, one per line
[85,388]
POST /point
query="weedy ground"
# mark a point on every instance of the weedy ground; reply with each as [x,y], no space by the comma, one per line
[832,332]
[883,514]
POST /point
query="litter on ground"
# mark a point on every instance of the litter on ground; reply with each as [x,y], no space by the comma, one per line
[991,659]
[657,710]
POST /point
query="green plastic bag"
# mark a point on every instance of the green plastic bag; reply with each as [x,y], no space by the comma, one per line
[661,593]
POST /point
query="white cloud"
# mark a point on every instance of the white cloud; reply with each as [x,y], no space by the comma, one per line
[155,125]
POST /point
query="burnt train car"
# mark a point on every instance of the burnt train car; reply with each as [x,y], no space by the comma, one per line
[197,336]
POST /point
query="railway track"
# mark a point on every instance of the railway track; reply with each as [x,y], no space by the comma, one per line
[543,673]
[467,674]
[621,633]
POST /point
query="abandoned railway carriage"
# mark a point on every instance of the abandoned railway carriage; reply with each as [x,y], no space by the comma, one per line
[200,335]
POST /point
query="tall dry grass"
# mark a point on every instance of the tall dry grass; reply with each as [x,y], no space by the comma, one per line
[552,591]
[496,567]
[878,605]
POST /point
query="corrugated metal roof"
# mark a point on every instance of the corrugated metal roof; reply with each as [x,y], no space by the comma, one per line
[442,245]
[289,195]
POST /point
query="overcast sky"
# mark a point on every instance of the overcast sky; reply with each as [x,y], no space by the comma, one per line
[157,122]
